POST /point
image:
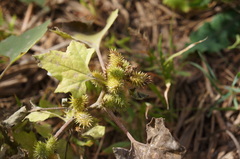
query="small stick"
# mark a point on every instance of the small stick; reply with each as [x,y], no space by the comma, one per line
[99,148]
[236,142]
[27,17]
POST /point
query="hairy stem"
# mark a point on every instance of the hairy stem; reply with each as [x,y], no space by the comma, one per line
[99,100]
[44,109]
[65,126]
[120,125]
[100,59]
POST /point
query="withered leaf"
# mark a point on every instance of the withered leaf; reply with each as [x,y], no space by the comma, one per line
[160,144]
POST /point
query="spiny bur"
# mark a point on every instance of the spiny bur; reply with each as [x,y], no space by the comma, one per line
[78,104]
[116,72]
[126,66]
[115,101]
[115,59]
[139,79]
[84,119]
[51,143]
[99,79]
[114,85]
[44,150]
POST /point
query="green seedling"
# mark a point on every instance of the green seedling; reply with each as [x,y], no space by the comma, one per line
[232,91]
[208,73]
[232,94]
[113,42]
[163,64]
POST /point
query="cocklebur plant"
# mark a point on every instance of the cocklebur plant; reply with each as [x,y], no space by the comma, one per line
[71,68]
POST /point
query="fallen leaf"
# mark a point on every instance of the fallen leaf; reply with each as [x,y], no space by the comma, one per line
[160,144]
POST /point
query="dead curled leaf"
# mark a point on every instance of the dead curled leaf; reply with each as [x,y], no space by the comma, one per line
[160,144]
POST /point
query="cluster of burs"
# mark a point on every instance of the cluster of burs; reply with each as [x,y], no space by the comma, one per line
[116,81]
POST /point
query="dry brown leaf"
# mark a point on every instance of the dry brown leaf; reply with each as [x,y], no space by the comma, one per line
[160,144]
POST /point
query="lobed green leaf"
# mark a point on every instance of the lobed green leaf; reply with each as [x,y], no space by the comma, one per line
[70,67]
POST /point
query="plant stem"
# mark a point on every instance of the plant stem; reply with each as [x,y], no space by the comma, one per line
[120,125]
[63,128]
[97,103]
[109,112]
[5,70]
[100,59]
[44,109]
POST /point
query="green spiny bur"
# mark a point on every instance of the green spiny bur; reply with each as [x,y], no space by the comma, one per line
[115,101]
[114,85]
[84,119]
[115,59]
[99,79]
[139,79]
[45,150]
[116,72]
[41,151]
[78,104]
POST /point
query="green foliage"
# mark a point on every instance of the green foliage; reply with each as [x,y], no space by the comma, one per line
[43,129]
[232,93]
[96,132]
[40,116]
[71,68]
[90,136]
[38,2]
[219,32]
[236,43]
[113,42]
[187,5]
[21,43]
[63,150]
[7,25]
[91,40]
[208,73]
[159,63]
[20,134]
